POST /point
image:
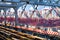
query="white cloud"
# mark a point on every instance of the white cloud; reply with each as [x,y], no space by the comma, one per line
[2,11]
[47,7]
[20,9]
[12,10]
[31,8]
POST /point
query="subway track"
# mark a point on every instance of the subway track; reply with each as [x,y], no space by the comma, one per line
[9,34]
[51,37]
[28,34]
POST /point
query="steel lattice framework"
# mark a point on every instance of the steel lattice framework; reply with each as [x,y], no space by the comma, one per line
[35,2]
[17,3]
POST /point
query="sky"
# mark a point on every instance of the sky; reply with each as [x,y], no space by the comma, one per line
[29,7]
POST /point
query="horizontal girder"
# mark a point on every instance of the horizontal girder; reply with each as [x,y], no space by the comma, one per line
[55,3]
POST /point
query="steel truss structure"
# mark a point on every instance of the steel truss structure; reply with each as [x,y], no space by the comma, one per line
[17,3]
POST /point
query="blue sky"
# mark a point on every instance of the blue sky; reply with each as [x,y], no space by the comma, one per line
[40,7]
[30,7]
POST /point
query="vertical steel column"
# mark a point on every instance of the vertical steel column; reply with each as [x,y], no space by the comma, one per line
[2,8]
[16,18]
[5,15]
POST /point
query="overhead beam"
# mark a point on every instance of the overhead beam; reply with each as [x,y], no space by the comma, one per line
[15,1]
[43,2]
[53,5]
[7,5]
[36,2]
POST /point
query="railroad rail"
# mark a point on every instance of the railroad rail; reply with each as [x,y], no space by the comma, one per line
[12,34]
[27,33]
